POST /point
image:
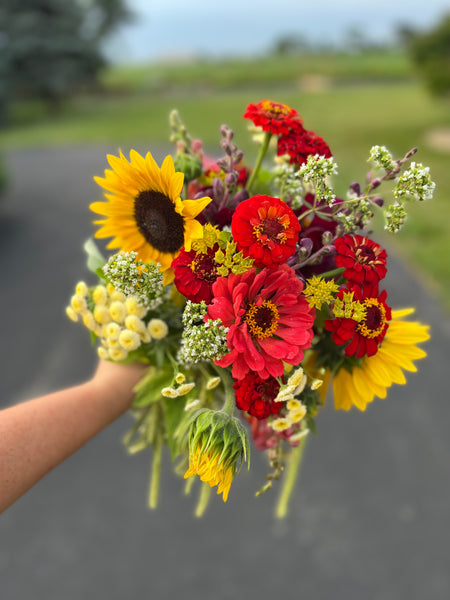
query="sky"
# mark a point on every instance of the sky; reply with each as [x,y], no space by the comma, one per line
[171,29]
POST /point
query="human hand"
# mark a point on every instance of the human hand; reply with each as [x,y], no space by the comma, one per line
[117,380]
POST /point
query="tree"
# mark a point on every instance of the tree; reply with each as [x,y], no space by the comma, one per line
[431,53]
[51,48]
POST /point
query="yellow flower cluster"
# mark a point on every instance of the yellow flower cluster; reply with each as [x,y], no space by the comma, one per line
[318,291]
[296,410]
[117,320]
[349,308]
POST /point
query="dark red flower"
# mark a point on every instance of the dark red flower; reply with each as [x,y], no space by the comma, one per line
[362,338]
[269,319]
[266,229]
[265,437]
[195,273]
[272,117]
[299,143]
[364,260]
[255,395]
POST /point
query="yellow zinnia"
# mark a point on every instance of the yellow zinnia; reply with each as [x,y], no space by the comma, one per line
[380,371]
[144,211]
[207,465]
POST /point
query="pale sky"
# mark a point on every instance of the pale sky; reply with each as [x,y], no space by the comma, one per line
[171,28]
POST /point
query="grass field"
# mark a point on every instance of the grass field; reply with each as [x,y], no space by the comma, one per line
[350,113]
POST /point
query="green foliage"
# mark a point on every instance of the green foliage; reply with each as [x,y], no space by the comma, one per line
[431,53]
[95,260]
[52,48]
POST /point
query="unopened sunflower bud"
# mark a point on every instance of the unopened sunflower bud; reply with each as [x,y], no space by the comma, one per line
[218,446]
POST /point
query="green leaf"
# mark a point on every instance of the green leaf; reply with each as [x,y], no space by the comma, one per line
[148,390]
[95,259]
[173,413]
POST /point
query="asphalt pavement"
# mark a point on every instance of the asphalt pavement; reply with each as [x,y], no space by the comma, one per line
[370,519]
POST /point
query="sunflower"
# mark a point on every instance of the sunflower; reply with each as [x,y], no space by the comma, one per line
[211,470]
[144,211]
[376,373]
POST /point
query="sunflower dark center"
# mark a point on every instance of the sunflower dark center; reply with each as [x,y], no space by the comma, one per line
[162,227]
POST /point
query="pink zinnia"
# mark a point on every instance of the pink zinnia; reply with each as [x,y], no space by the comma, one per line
[269,320]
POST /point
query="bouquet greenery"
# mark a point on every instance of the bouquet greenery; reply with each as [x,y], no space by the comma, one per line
[248,292]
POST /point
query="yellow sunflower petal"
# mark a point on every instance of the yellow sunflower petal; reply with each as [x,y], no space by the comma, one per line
[380,371]
[139,197]
[191,208]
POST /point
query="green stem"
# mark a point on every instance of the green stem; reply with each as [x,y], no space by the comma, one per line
[290,478]
[261,155]
[229,403]
[205,494]
[156,472]
[333,272]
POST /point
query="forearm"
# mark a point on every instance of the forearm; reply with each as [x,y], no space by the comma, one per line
[39,434]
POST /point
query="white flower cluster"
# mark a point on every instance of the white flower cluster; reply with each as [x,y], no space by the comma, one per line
[316,170]
[131,276]
[415,182]
[201,341]
[395,216]
[289,185]
[382,158]
[116,319]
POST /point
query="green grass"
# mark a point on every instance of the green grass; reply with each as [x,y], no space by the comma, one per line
[351,118]
[390,64]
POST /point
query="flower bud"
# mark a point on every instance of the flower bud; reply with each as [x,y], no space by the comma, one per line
[218,446]
[355,188]
[327,238]
[188,164]
[378,200]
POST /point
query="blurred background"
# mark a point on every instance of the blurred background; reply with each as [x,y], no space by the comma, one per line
[84,78]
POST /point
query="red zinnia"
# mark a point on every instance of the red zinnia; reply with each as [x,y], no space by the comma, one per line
[270,322]
[363,259]
[363,337]
[195,272]
[299,143]
[266,229]
[255,395]
[271,116]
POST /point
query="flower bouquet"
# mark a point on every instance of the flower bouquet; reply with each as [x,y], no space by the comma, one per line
[248,292]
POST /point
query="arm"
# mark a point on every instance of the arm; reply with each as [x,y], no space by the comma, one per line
[37,435]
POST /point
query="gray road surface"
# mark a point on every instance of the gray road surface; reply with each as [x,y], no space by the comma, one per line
[371,515]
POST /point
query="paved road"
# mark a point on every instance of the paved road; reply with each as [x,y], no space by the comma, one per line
[371,516]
